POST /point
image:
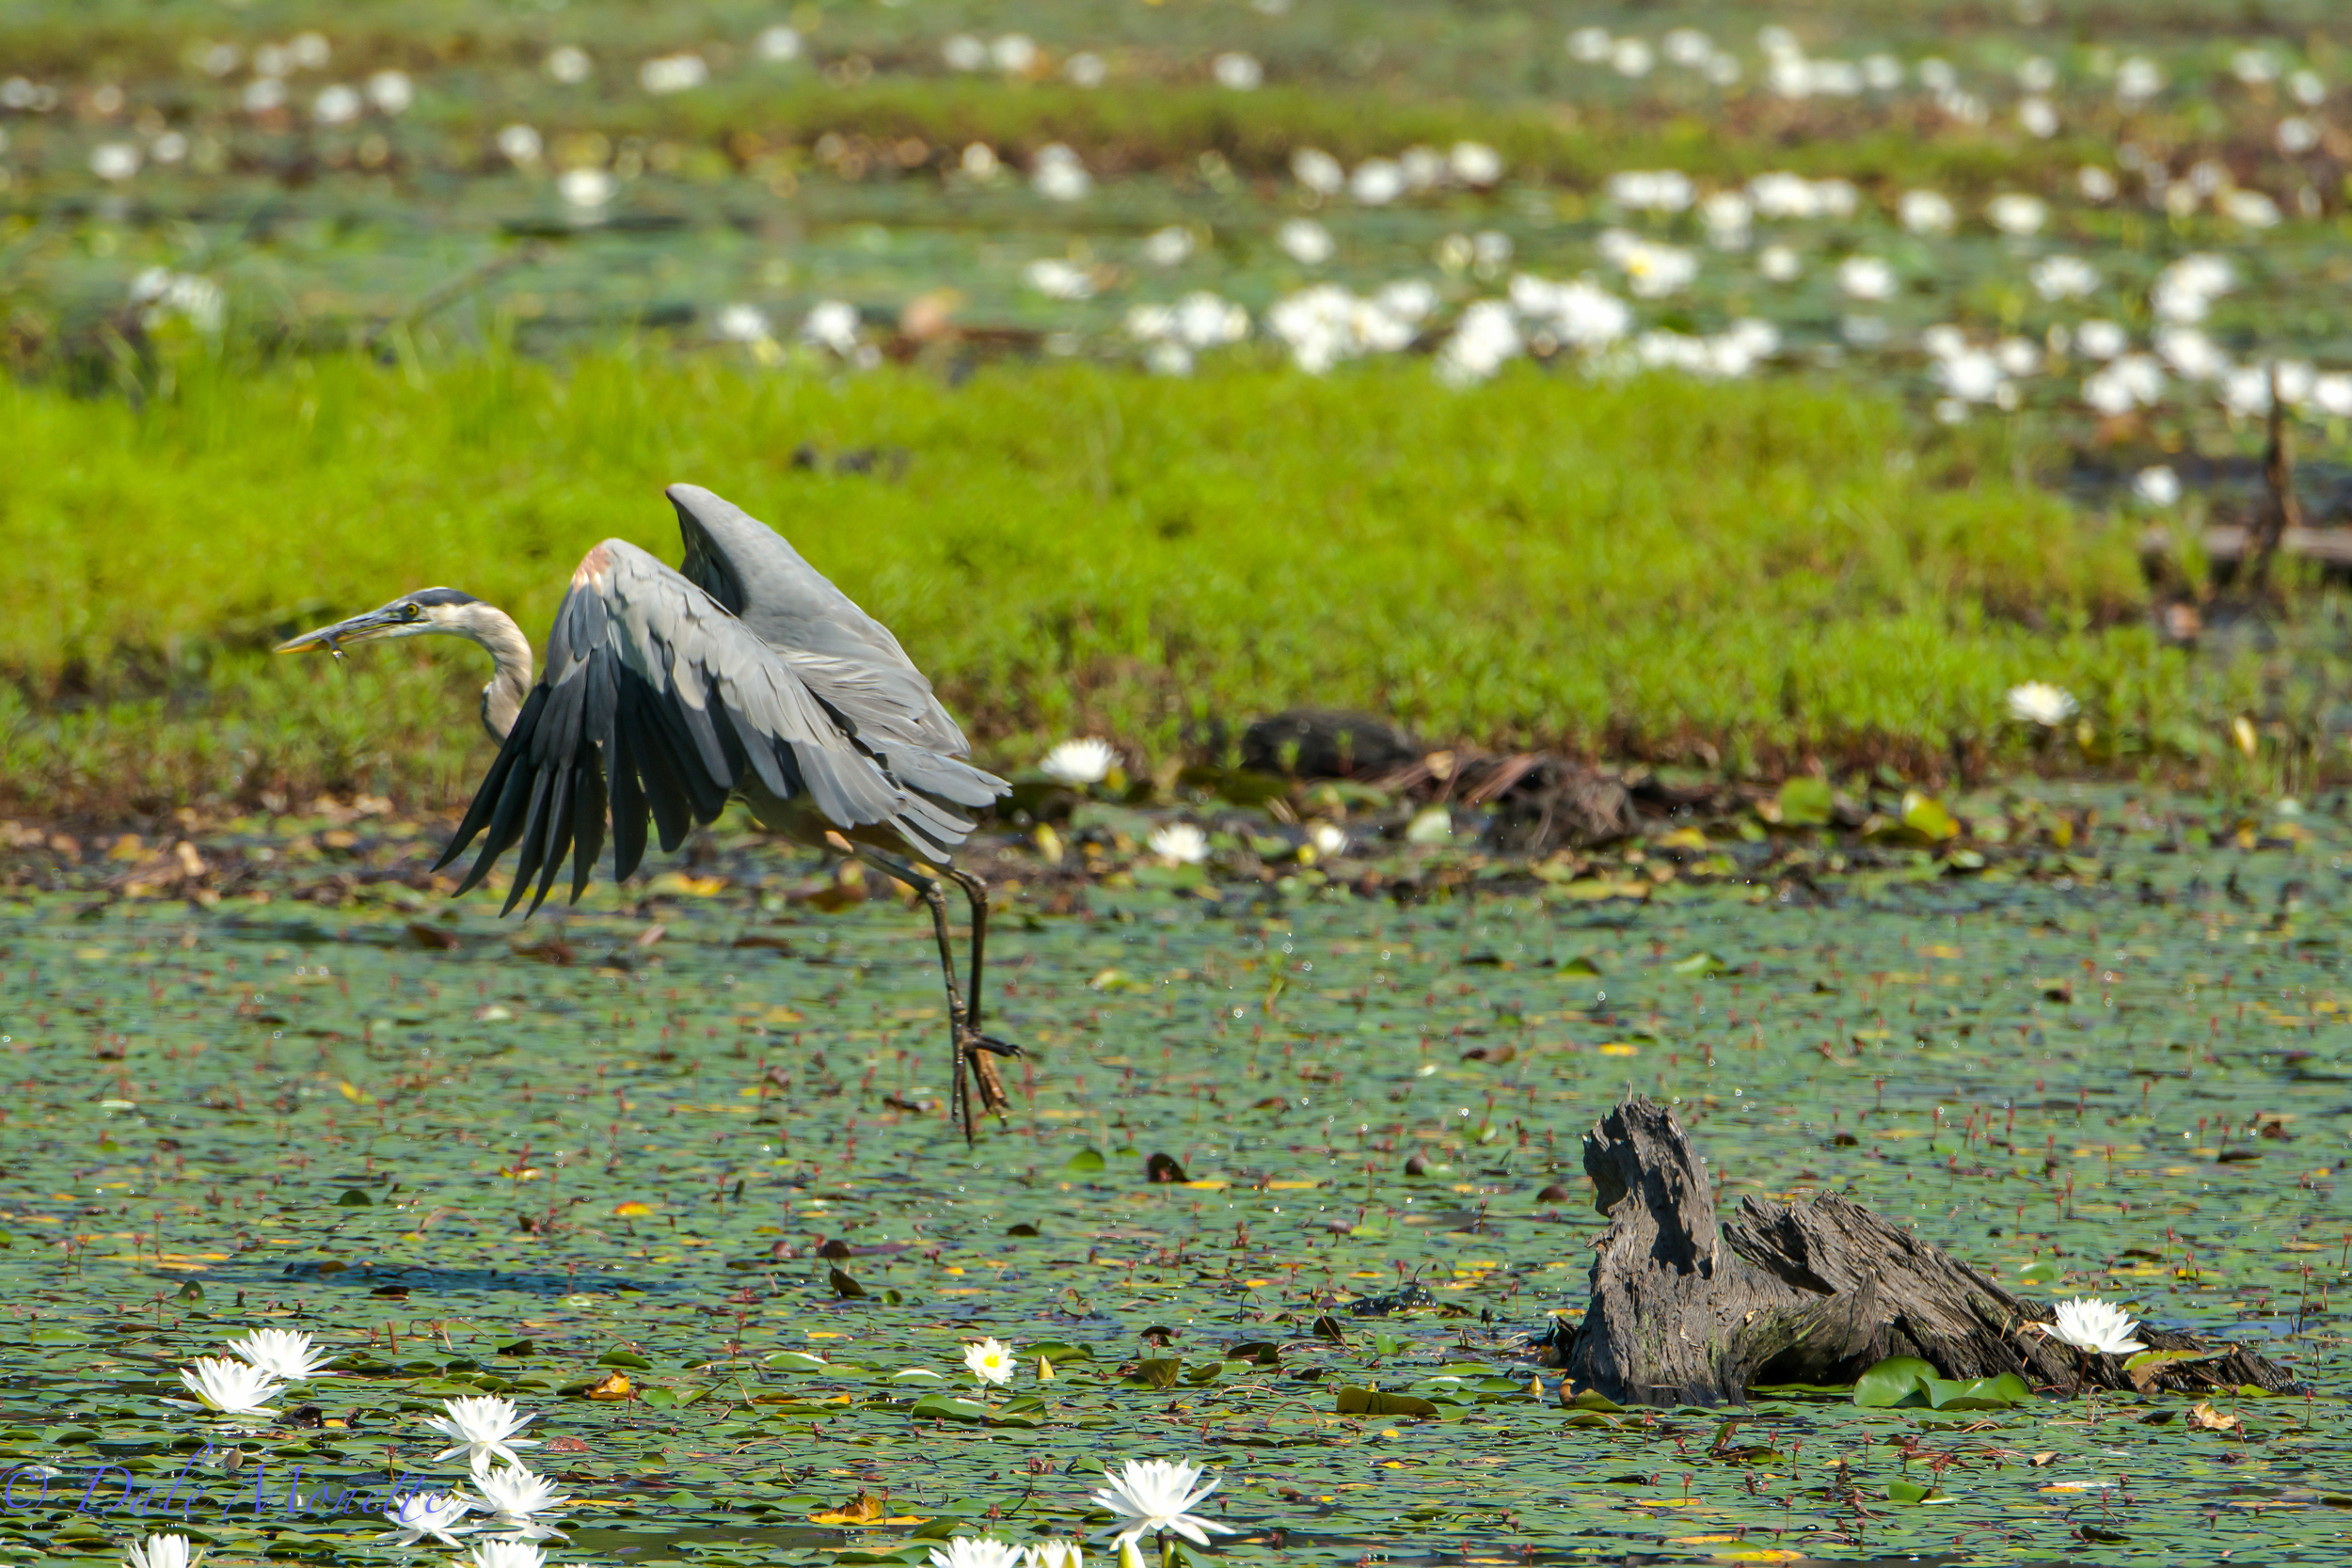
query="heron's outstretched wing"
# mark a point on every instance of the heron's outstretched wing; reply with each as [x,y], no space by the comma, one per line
[849,660]
[654,685]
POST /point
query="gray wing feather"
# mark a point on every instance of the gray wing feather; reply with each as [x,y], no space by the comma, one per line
[848,660]
[650,681]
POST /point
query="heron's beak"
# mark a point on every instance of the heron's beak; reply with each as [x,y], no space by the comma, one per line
[374,624]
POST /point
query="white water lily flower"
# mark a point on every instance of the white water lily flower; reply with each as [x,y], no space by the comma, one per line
[2015,212]
[428,1515]
[231,1387]
[281,1353]
[161,1551]
[990,1361]
[484,1429]
[1180,844]
[1079,763]
[976,1551]
[1305,241]
[668,73]
[1318,171]
[1054,1554]
[2091,1324]
[1152,1495]
[585,187]
[503,1554]
[1238,72]
[1328,838]
[1057,175]
[511,1496]
[1475,162]
[2039,703]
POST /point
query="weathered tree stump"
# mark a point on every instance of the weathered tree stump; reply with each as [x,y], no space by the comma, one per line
[1687,1311]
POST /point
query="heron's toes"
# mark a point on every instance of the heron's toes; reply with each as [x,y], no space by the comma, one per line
[991,1044]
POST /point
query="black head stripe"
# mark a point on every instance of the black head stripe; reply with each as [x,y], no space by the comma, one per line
[432,597]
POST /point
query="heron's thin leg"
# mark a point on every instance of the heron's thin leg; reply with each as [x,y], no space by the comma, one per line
[975,893]
[959,1102]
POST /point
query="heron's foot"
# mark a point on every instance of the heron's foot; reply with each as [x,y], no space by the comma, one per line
[977,1053]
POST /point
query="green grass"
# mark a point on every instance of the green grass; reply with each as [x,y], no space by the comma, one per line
[1749,576]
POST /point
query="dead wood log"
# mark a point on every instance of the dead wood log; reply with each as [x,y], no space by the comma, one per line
[1685,1310]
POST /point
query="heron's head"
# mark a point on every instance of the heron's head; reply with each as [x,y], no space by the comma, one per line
[428,611]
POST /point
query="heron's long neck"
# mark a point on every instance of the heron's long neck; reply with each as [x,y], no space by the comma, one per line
[502,699]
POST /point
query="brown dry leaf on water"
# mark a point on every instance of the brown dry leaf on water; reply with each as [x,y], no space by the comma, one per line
[2205,1418]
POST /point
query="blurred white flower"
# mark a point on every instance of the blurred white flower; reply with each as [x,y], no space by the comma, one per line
[2331,394]
[963,51]
[1086,70]
[308,51]
[778,43]
[1058,279]
[1014,54]
[1483,342]
[169,148]
[668,73]
[2088,1323]
[1576,314]
[567,63]
[167,295]
[1239,71]
[1474,164]
[114,161]
[1630,58]
[2307,88]
[2015,212]
[392,91]
[2039,117]
[832,324]
[1779,263]
[2127,382]
[2246,390]
[1927,212]
[1318,171]
[2252,209]
[2099,338]
[1728,216]
[2137,80]
[1168,359]
[2255,67]
[1056,174]
[1376,182]
[2192,355]
[2297,134]
[1687,47]
[1882,72]
[520,145]
[2061,276]
[2039,703]
[990,1361]
[337,105]
[1327,839]
[1652,271]
[1178,844]
[1971,375]
[1589,45]
[1168,246]
[2185,291]
[1865,277]
[2097,183]
[2038,75]
[2158,486]
[585,187]
[740,324]
[1652,190]
[506,1554]
[1079,763]
[980,161]
[1305,241]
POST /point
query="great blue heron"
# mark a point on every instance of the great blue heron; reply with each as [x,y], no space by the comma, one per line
[745,674]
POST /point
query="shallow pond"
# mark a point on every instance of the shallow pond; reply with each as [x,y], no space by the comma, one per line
[696,1139]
